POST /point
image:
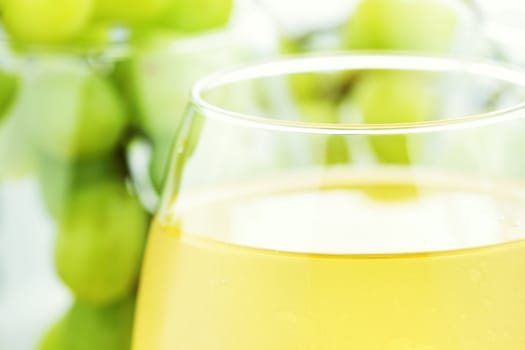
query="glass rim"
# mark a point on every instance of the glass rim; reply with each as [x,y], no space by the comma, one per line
[333,62]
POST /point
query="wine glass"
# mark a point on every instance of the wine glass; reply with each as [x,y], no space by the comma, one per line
[365,201]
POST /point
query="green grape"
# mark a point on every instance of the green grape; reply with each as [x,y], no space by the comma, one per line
[306,86]
[91,327]
[71,112]
[96,35]
[162,77]
[8,91]
[46,21]
[327,150]
[100,242]
[109,327]
[161,82]
[102,117]
[59,178]
[122,78]
[426,25]
[159,162]
[395,97]
[318,111]
[197,15]
[290,46]
[130,11]
[337,151]
[54,338]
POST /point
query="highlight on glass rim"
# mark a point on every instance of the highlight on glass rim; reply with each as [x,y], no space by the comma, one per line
[262,174]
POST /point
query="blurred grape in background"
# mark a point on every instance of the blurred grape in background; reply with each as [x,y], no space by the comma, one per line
[424,27]
[91,96]
[460,28]
[88,90]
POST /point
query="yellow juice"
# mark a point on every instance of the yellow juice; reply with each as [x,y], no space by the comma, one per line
[345,264]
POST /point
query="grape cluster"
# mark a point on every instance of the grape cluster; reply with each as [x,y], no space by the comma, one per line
[378,97]
[52,22]
[67,117]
